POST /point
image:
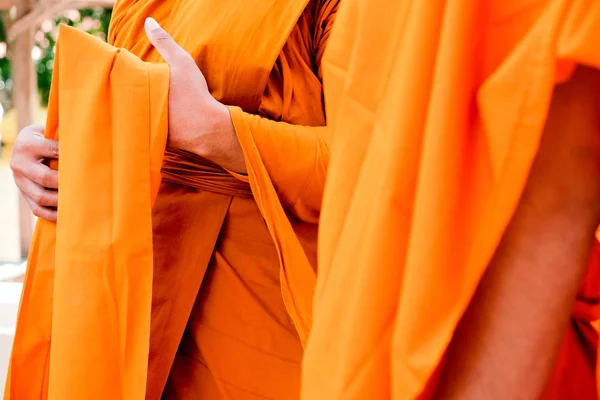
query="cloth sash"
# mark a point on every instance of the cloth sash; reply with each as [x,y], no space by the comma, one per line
[188,169]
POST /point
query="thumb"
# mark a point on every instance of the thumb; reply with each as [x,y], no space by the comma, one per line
[163,42]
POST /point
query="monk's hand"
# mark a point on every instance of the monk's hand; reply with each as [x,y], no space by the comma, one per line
[198,122]
[36,181]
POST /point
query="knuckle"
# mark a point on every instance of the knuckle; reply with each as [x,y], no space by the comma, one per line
[20,186]
[18,181]
[54,148]
[39,178]
[45,179]
[14,165]
[44,199]
[18,170]
[38,198]
[27,132]
[36,210]
[21,144]
[26,144]
[23,132]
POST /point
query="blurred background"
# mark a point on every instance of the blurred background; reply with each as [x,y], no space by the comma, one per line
[28,34]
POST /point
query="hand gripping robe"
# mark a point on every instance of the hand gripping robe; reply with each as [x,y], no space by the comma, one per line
[209,293]
[436,111]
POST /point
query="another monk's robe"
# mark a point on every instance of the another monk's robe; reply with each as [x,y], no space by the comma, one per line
[233,257]
[436,110]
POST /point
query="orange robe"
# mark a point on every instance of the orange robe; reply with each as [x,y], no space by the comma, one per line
[83,324]
[220,303]
[240,341]
[436,111]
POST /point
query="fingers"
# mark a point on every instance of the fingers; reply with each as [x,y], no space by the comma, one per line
[36,181]
[49,214]
[43,176]
[38,129]
[31,141]
[48,148]
[37,194]
[164,43]
[39,147]
[43,202]
[34,171]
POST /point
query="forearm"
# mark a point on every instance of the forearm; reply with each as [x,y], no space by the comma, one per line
[506,345]
[509,338]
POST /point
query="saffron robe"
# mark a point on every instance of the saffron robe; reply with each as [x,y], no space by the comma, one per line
[436,111]
[111,287]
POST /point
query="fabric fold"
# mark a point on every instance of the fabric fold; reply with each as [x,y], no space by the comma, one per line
[187,169]
[213,255]
[297,275]
[432,142]
[84,319]
[298,183]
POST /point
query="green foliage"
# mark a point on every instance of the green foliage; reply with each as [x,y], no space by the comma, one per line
[4,68]
[93,21]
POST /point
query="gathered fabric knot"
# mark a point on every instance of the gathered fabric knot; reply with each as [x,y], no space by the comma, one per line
[188,169]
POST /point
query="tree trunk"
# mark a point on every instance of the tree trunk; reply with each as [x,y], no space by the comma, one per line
[25,101]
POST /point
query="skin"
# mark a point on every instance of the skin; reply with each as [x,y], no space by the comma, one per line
[198,123]
[508,341]
[36,181]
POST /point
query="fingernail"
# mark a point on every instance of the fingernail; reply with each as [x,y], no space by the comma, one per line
[151,24]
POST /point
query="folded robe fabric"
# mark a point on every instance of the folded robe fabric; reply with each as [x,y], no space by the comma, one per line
[84,317]
[238,46]
[436,110]
[220,327]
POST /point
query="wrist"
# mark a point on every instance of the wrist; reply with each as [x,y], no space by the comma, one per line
[210,127]
[218,140]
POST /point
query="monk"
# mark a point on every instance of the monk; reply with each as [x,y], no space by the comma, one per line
[229,283]
[461,203]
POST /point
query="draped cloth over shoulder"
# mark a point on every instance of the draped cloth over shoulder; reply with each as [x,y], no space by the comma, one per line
[436,110]
[84,320]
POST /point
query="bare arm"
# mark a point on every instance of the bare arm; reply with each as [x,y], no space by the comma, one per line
[506,345]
